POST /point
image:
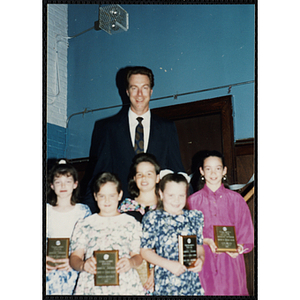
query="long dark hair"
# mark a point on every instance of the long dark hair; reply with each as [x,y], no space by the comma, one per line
[61,168]
[139,158]
[205,155]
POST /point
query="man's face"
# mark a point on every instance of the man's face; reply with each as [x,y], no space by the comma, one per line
[139,93]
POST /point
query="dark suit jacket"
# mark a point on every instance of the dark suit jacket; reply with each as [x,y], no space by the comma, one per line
[113,152]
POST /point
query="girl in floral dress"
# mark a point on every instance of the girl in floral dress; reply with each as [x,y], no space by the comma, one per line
[62,214]
[223,273]
[160,232]
[143,187]
[108,230]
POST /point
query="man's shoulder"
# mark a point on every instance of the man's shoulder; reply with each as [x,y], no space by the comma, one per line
[115,119]
[160,120]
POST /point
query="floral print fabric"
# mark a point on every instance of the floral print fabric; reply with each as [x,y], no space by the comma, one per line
[160,232]
[121,233]
[60,224]
[131,205]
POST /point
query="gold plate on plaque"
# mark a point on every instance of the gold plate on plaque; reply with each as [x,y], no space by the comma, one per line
[57,248]
[187,250]
[225,238]
[106,267]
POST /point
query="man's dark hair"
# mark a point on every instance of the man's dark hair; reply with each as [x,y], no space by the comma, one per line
[140,70]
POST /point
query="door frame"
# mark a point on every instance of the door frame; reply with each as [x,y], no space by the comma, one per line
[220,105]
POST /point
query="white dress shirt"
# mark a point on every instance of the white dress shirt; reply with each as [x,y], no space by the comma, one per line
[133,122]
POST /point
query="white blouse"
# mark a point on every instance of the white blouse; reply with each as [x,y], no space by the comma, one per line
[61,224]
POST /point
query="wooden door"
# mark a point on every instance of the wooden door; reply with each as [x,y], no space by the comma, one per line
[203,125]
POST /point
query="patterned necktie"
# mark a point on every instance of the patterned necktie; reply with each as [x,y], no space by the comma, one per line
[139,137]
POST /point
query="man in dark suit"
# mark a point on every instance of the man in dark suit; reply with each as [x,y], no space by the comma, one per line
[115,137]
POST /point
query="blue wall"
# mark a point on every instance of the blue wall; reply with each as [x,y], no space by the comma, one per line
[56,141]
[188,47]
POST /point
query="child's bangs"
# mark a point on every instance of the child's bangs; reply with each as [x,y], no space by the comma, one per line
[60,173]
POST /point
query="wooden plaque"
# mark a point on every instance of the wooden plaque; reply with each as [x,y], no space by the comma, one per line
[57,248]
[143,271]
[106,267]
[187,250]
[225,238]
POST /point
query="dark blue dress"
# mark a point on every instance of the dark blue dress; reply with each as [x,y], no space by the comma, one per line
[160,232]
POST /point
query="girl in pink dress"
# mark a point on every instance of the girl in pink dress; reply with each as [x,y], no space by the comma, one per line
[223,273]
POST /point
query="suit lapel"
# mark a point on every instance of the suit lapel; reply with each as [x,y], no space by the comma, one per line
[123,132]
[154,129]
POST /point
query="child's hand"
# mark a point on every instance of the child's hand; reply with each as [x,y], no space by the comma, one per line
[211,244]
[233,254]
[197,266]
[176,267]
[48,267]
[90,265]
[239,249]
[149,284]
[123,265]
[63,264]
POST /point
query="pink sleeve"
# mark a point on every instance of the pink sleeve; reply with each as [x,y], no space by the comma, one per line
[191,202]
[244,228]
